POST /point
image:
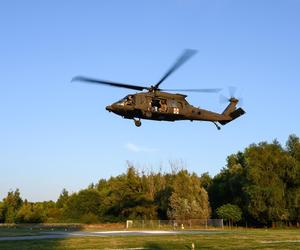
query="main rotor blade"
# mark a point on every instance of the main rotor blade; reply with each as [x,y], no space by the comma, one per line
[195,90]
[110,83]
[187,54]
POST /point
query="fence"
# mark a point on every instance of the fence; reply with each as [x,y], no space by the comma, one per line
[175,224]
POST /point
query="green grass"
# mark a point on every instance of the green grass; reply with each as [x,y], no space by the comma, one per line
[226,239]
[4,232]
[11,231]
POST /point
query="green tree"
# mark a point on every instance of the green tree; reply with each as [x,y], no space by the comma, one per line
[128,198]
[293,146]
[205,180]
[52,213]
[292,179]
[62,199]
[228,186]
[2,218]
[188,200]
[263,181]
[79,205]
[30,213]
[230,213]
[266,166]
[11,204]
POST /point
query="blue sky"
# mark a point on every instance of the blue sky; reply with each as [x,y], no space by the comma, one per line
[55,134]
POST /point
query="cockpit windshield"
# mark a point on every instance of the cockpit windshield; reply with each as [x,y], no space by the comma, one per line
[121,102]
[127,100]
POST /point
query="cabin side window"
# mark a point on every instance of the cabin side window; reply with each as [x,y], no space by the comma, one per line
[175,106]
[159,105]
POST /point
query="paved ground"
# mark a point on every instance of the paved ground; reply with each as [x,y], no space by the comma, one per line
[60,235]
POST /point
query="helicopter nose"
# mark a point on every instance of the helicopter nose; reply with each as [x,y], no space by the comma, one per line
[109,108]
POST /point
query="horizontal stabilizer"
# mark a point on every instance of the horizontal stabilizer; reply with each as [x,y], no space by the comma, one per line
[235,114]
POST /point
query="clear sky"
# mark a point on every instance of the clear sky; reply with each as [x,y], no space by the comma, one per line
[55,134]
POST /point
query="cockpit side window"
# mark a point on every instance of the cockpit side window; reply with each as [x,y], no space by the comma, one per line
[129,100]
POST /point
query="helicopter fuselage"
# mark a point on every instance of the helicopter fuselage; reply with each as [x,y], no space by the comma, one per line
[162,106]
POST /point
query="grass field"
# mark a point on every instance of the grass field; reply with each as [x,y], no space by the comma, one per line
[223,239]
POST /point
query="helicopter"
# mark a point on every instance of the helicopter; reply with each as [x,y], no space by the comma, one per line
[154,103]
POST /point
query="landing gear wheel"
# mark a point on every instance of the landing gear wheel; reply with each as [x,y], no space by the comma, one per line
[137,123]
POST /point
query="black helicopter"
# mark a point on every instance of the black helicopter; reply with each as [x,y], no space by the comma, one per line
[159,105]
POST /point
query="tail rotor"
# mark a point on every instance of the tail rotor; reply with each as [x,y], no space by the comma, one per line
[225,99]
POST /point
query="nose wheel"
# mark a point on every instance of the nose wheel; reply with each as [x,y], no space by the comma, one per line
[137,122]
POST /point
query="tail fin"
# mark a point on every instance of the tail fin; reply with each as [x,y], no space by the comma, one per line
[231,107]
[232,111]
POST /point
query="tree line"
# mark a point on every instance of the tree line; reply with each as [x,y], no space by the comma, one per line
[258,186]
